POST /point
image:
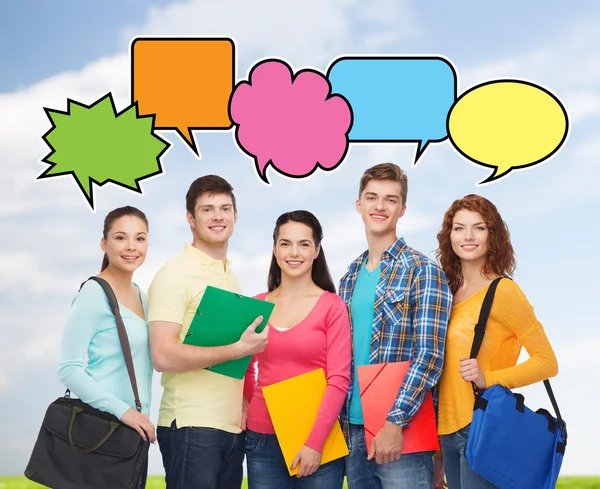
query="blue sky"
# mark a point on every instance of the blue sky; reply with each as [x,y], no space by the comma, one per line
[78,50]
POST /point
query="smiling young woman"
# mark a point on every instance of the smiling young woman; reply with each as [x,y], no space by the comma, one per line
[474,249]
[91,330]
[309,329]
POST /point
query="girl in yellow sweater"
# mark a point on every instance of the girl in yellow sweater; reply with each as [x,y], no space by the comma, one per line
[474,249]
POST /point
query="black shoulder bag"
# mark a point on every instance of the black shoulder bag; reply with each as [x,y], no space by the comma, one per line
[79,447]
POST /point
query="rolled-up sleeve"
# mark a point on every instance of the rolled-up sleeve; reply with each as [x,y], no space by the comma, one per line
[431,301]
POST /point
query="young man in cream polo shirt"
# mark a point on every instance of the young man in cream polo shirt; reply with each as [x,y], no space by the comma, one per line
[200,420]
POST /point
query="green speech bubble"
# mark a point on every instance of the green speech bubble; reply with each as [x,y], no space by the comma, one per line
[95,144]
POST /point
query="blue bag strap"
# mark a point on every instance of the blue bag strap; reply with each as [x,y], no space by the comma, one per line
[484,314]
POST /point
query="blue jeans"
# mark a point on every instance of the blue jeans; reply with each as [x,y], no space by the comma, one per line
[412,471]
[267,468]
[201,458]
[459,474]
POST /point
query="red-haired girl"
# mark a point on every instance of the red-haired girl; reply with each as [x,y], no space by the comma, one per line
[474,249]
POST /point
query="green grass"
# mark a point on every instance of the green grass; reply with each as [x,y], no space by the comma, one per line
[157,482]
[578,482]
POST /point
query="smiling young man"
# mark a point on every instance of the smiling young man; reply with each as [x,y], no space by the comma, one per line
[399,303]
[200,421]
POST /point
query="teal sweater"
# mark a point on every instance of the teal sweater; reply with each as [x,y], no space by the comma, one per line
[91,331]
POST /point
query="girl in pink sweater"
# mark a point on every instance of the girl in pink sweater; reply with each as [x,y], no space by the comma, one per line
[309,329]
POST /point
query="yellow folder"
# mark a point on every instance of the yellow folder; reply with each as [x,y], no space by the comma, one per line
[293,405]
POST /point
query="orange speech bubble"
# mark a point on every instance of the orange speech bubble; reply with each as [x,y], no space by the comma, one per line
[185,82]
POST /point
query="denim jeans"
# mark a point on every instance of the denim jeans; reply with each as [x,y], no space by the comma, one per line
[267,468]
[459,474]
[412,471]
[201,458]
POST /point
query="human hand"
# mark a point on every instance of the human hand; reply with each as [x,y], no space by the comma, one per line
[470,372]
[438,473]
[387,445]
[252,342]
[140,423]
[309,460]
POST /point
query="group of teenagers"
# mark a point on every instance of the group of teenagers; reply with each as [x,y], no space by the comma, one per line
[394,304]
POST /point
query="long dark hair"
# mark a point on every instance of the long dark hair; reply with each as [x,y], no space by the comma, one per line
[320,271]
[112,216]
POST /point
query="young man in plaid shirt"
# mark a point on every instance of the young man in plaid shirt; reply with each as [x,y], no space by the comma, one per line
[399,304]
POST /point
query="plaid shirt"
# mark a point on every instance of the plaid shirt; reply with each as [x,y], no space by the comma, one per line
[412,307]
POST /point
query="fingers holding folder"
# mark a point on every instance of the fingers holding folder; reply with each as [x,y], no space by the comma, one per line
[293,406]
[379,385]
[252,342]
[227,318]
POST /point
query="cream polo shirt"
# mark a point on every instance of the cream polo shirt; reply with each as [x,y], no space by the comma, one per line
[199,398]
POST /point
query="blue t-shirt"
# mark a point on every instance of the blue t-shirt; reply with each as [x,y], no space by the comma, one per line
[362,309]
[91,362]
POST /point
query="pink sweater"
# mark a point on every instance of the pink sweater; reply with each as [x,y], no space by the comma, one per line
[321,340]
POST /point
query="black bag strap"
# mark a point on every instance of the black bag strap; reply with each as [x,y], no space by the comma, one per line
[484,314]
[123,338]
[553,400]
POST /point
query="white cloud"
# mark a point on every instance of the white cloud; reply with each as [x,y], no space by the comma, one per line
[566,67]
[30,336]
[583,105]
[503,68]
[306,33]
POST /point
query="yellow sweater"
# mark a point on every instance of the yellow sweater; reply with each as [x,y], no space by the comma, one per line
[512,324]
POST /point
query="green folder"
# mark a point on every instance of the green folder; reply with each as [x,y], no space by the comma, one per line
[221,319]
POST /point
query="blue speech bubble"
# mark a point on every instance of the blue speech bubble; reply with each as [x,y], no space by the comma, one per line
[396,98]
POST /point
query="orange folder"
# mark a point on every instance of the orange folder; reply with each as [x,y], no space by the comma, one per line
[293,405]
[379,385]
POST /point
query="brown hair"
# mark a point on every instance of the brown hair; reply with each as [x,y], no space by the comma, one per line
[385,171]
[212,184]
[500,258]
[112,216]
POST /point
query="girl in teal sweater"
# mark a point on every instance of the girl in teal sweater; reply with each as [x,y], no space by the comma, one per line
[91,330]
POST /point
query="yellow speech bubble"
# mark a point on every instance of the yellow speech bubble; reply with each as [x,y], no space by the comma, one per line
[507,124]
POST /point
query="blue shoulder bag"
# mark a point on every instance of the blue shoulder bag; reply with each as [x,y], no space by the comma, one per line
[510,445]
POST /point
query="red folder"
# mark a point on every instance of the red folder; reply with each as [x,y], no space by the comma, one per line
[379,385]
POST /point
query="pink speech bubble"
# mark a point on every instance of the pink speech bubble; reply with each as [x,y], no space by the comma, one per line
[290,122]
